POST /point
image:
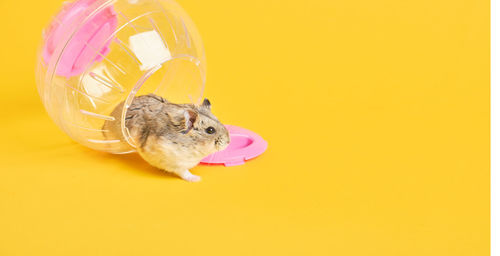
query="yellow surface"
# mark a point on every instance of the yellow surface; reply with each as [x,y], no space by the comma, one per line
[376,113]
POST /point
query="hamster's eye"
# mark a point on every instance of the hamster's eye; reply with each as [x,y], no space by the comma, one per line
[210,130]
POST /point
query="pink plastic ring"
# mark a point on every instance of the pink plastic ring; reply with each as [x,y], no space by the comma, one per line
[89,43]
[244,145]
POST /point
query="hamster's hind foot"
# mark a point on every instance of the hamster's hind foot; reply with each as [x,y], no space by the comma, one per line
[188,176]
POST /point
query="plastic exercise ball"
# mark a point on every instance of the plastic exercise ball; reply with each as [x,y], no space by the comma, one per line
[96,54]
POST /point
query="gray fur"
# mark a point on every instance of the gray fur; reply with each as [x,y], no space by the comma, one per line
[160,127]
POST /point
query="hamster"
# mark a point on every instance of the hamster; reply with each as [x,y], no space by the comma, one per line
[172,137]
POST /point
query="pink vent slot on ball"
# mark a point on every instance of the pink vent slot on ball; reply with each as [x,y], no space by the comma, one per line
[244,145]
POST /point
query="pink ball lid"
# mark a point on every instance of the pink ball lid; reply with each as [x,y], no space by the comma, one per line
[244,145]
[89,43]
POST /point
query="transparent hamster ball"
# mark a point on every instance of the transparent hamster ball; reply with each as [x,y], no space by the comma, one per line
[96,54]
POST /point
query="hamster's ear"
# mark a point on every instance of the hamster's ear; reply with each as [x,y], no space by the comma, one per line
[206,104]
[189,119]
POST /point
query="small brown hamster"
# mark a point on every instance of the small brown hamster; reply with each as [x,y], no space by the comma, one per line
[172,137]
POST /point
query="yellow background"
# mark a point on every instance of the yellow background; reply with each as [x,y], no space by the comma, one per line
[376,114]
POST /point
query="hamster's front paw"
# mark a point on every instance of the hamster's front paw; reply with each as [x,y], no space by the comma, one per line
[188,176]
